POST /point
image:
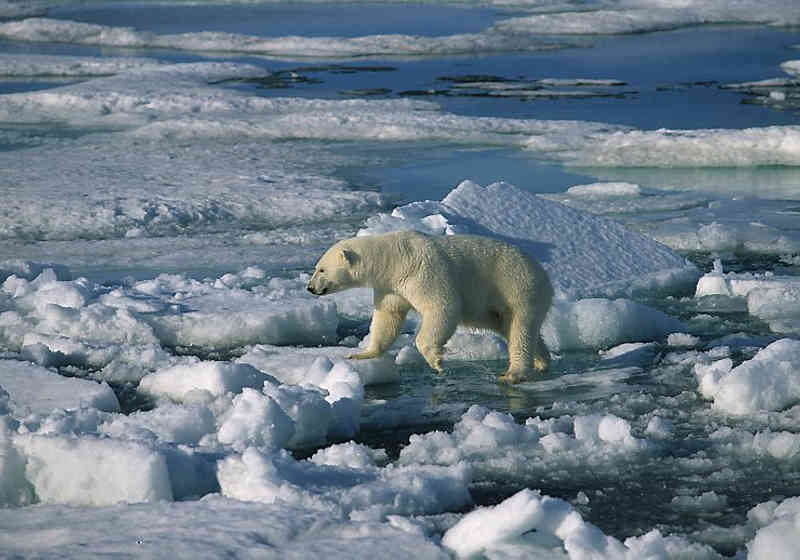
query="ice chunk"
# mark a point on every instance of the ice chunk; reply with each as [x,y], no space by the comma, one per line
[585,255]
[45,29]
[308,408]
[255,420]
[771,145]
[217,378]
[341,381]
[777,303]
[529,525]
[231,318]
[774,299]
[707,501]
[351,455]
[28,270]
[15,490]
[522,512]
[34,389]
[769,381]
[293,364]
[168,423]
[648,15]
[659,428]
[604,190]
[600,323]
[39,65]
[682,340]
[778,535]
[46,290]
[360,493]
[93,471]
[241,529]
[606,428]
[493,442]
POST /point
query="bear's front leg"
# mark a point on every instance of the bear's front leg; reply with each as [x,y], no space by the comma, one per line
[387,321]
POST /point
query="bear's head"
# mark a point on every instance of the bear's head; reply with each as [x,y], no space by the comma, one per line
[335,271]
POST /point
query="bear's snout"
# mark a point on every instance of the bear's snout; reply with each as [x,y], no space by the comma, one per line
[315,290]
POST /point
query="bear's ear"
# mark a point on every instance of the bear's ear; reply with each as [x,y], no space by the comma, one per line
[348,256]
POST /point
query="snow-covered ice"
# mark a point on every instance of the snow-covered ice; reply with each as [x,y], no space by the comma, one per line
[537,225]
[774,299]
[34,389]
[769,381]
[163,371]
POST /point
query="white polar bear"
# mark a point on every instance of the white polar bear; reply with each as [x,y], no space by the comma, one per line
[449,280]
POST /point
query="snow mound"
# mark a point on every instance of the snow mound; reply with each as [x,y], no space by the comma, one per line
[601,323]
[585,255]
[215,378]
[769,381]
[778,530]
[529,525]
[93,471]
[369,493]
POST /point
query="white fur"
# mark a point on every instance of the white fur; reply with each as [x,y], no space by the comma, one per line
[450,280]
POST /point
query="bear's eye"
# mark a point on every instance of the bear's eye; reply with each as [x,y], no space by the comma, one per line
[322,270]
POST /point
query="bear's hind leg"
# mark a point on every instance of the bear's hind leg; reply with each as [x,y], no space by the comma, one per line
[526,351]
[541,358]
[435,331]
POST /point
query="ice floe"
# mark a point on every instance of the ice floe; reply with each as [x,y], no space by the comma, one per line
[774,299]
[773,145]
[769,381]
[650,15]
[61,31]
[694,221]
[531,525]
[33,389]
[63,66]
[777,535]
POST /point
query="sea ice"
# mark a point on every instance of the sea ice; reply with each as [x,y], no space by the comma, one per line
[36,390]
[45,29]
[688,220]
[492,442]
[255,420]
[530,525]
[768,381]
[41,66]
[772,145]
[361,494]
[774,299]
[778,530]
[216,378]
[650,15]
[93,471]
[601,323]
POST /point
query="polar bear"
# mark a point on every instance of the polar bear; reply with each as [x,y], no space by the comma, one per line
[450,280]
